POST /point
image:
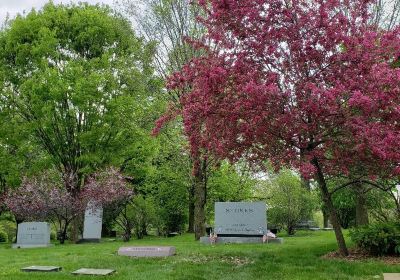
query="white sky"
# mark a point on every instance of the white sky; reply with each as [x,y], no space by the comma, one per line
[13,7]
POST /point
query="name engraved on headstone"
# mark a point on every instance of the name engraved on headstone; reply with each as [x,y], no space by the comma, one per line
[33,234]
[153,251]
[240,218]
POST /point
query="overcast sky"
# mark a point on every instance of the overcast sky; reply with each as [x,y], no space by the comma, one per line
[12,7]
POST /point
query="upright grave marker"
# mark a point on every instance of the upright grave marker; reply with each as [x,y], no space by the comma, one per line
[33,234]
[92,223]
[240,218]
[239,222]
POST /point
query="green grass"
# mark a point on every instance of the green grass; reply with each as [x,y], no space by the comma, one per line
[297,258]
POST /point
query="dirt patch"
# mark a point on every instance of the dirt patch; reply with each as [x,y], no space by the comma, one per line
[360,255]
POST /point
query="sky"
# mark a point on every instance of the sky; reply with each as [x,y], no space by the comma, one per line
[13,7]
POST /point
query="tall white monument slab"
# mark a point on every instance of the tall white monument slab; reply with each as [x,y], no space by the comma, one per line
[93,222]
[33,234]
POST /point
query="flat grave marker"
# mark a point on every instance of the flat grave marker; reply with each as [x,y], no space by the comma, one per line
[149,251]
[93,271]
[391,276]
[40,268]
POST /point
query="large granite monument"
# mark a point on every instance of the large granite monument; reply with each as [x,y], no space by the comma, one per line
[32,235]
[240,222]
[92,223]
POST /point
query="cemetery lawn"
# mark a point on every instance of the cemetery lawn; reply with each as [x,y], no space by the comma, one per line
[298,258]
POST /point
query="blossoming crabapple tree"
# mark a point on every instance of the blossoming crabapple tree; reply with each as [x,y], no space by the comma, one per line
[45,198]
[305,84]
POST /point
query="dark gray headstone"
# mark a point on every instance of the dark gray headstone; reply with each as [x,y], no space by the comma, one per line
[38,268]
[93,271]
[150,251]
[240,218]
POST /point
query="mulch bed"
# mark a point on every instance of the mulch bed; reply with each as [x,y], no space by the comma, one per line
[360,255]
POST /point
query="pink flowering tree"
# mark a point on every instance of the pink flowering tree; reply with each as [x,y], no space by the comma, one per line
[45,197]
[305,84]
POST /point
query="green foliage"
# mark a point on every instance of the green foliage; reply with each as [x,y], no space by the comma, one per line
[3,235]
[344,202]
[289,202]
[8,225]
[228,182]
[378,239]
[71,76]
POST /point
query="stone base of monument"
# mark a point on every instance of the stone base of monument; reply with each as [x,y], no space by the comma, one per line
[25,246]
[88,240]
[239,240]
[150,251]
[38,268]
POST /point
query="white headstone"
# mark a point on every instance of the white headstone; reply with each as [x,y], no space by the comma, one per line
[240,218]
[33,234]
[93,222]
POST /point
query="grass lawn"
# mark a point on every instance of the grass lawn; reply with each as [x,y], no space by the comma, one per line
[297,258]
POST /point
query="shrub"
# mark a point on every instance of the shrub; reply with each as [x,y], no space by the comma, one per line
[378,239]
[3,235]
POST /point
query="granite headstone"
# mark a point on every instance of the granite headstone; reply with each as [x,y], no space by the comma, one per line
[150,251]
[240,218]
[33,234]
[92,223]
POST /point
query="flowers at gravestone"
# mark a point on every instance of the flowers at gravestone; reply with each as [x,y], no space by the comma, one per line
[44,198]
[213,238]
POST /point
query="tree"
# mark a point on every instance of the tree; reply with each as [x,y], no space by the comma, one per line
[170,23]
[288,202]
[305,84]
[71,74]
[45,198]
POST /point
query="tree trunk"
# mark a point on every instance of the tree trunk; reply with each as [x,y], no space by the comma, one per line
[200,192]
[327,198]
[361,206]
[191,209]
[325,216]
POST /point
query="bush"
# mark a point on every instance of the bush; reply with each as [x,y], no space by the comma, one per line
[378,239]
[3,235]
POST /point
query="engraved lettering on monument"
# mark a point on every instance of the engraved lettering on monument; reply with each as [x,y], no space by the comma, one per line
[33,234]
[240,218]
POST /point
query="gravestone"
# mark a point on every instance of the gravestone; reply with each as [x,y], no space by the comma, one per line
[240,218]
[92,224]
[38,268]
[391,276]
[32,235]
[150,251]
[93,271]
[240,222]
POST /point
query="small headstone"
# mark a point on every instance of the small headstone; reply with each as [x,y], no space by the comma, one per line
[391,276]
[93,223]
[151,251]
[38,268]
[93,271]
[33,234]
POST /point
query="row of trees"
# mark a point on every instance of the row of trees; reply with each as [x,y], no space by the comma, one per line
[308,86]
